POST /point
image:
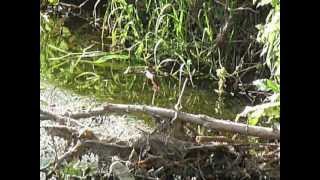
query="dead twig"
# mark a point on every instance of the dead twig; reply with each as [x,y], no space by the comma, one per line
[237,9]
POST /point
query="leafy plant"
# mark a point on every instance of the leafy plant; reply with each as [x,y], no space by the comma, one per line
[267,85]
[270,109]
[269,35]
[178,38]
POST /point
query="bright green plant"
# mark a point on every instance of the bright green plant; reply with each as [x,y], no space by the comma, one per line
[269,109]
[269,36]
[177,38]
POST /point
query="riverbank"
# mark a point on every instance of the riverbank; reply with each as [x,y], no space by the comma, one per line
[60,101]
[220,160]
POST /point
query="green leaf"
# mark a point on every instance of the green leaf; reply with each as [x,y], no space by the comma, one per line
[275,3]
[266,85]
[63,45]
[273,86]
[66,32]
[109,57]
[113,38]
[254,117]
[53,2]
[89,74]
[139,50]
[253,121]
[273,112]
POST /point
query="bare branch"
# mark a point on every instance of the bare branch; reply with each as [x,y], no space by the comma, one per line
[204,120]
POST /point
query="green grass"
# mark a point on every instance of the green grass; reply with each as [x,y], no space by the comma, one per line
[176,38]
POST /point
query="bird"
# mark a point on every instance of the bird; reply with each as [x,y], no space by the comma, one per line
[152,77]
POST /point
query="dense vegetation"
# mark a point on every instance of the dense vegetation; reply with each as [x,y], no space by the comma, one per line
[230,48]
[233,46]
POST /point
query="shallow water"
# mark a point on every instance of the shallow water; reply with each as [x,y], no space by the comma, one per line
[135,89]
[115,87]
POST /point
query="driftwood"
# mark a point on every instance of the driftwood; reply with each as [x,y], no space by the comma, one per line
[200,119]
[157,147]
[149,154]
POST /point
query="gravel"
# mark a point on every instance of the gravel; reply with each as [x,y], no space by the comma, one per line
[61,101]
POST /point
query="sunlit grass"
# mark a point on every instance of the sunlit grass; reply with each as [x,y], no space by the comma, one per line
[177,38]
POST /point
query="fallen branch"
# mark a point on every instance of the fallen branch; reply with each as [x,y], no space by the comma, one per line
[204,120]
[157,151]
[45,114]
[148,152]
[102,149]
[206,139]
[72,153]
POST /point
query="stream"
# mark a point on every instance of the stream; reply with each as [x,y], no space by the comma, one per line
[73,80]
[61,100]
[112,85]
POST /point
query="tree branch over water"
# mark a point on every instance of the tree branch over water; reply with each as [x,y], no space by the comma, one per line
[200,119]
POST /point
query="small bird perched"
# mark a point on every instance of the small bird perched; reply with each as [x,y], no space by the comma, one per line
[148,74]
[151,76]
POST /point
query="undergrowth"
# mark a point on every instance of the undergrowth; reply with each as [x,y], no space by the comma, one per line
[215,41]
[231,45]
